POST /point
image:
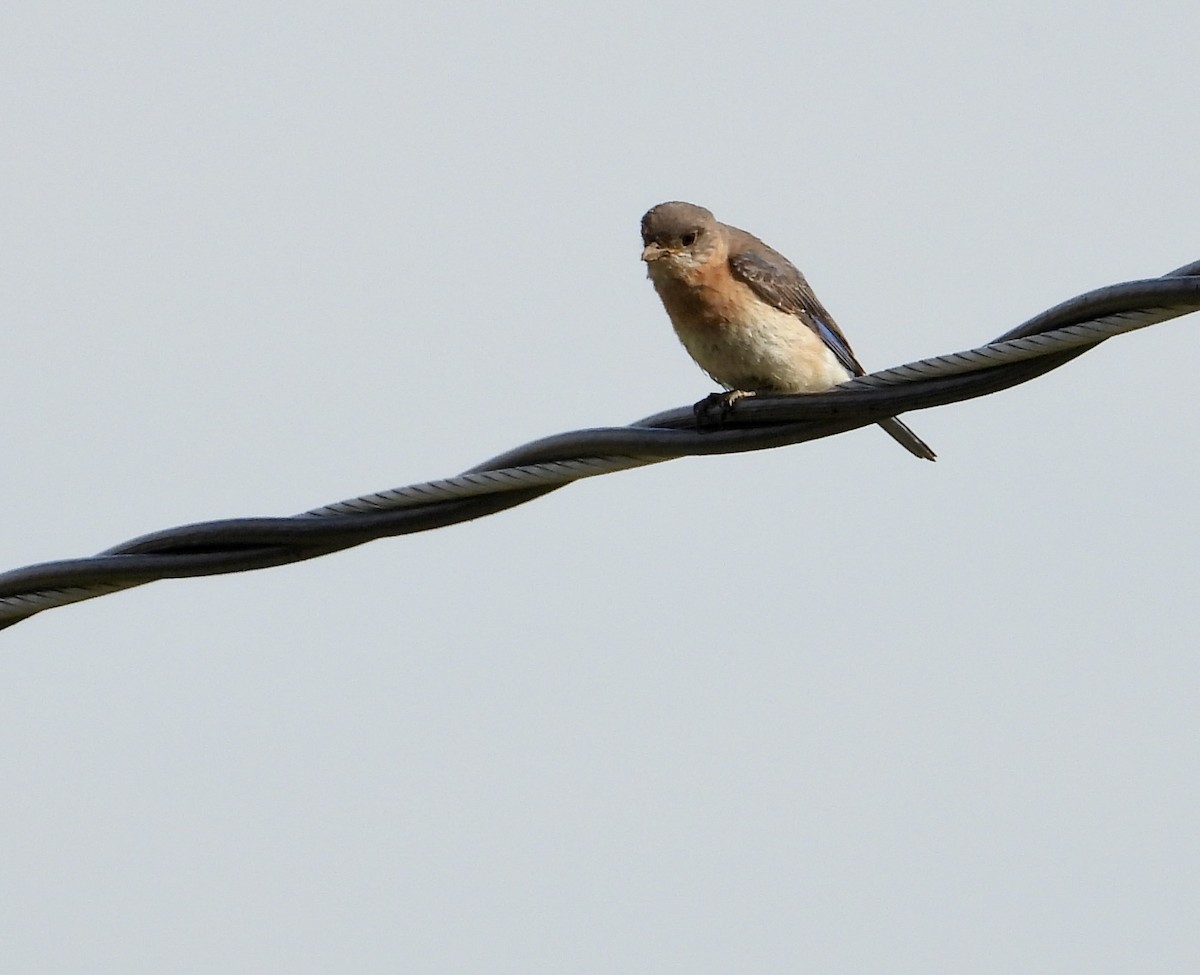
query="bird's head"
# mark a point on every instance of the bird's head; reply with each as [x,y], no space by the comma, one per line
[678,237]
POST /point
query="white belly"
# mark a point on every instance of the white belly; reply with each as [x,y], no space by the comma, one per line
[774,351]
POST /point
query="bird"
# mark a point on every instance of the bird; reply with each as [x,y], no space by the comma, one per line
[745,313]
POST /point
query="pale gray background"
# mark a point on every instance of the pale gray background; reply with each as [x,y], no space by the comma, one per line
[819,709]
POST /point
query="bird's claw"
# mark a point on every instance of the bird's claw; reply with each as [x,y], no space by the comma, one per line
[714,409]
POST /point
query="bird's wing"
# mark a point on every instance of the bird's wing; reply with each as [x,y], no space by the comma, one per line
[779,283]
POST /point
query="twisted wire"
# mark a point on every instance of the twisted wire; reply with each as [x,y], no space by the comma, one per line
[1039,345]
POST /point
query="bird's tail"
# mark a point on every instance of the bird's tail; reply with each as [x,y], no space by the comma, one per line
[907,439]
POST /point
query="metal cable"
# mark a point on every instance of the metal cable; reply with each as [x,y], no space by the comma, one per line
[236,545]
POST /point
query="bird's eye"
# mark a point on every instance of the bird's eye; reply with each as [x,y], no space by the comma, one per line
[688,239]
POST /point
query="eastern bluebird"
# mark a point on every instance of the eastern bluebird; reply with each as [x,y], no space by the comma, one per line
[745,313]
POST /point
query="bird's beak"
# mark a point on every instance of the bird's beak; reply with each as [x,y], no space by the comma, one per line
[652,252]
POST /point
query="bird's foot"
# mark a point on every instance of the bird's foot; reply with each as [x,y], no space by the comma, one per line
[712,411]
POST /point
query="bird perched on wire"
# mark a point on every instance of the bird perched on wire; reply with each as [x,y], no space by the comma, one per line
[745,313]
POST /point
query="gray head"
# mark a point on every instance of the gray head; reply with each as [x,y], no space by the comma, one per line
[679,232]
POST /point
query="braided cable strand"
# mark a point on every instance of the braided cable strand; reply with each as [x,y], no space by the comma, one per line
[470,485]
[1019,349]
[1045,342]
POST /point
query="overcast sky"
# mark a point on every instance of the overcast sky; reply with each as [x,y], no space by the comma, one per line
[825,708]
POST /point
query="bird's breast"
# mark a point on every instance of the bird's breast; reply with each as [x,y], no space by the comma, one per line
[707,296]
[743,342]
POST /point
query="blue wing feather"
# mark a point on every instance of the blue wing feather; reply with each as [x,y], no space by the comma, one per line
[838,346]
